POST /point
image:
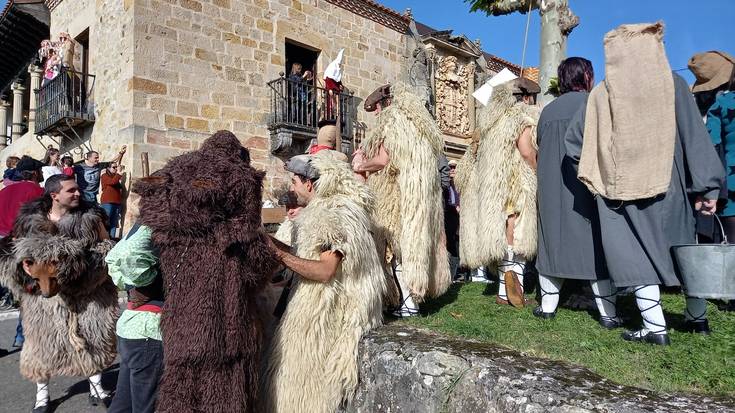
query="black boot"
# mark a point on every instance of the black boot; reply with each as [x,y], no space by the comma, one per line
[649,337]
[699,327]
[610,323]
[539,312]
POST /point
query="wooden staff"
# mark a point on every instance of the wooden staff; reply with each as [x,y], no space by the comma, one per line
[145,164]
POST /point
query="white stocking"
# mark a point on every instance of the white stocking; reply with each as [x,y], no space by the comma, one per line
[550,287]
[408,306]
[42,397]
[648,298]
[605,298]
[696,309]
[95,386]
[510,263]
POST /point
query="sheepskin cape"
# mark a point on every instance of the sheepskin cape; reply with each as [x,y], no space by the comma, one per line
[313,364]
[493,179]
[630,122]
[73,332]
[409,211]
[204,209]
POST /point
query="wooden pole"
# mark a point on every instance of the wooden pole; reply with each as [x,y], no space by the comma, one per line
[145,164]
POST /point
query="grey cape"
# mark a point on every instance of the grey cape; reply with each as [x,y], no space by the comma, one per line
[569,244]
[637,236]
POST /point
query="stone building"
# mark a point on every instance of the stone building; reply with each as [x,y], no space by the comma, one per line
[161,75]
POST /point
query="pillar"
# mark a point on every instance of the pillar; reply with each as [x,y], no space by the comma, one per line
[36,74]
[18,90]
[3,123]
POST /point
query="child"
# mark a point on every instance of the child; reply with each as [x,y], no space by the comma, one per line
[10,175]
[67,165]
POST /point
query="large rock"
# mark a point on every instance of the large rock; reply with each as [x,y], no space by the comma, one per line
[403,369]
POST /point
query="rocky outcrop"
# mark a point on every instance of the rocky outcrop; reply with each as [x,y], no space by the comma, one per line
[403,369]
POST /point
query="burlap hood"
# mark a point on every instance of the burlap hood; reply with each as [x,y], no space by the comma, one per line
[630,123]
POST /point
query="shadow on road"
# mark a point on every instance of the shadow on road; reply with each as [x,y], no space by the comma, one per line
[109,381]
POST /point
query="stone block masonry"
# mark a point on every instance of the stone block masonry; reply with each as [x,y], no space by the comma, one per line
[203,65]
[403,369]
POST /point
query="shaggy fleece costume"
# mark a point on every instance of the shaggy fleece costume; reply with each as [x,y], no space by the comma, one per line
[409,210]
[313,364]
[494,180]
[204,210]
[73,332]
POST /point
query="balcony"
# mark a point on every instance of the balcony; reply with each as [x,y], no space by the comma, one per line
[296,110]
[63,104]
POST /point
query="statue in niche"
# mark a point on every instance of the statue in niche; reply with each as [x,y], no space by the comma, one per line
[452,91]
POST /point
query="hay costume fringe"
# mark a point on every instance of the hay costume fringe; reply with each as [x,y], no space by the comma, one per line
[409,210]
[73,332]
[495,180]
[204,210]
[313,364]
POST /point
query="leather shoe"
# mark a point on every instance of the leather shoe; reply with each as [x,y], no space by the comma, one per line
[649,337]
[699,327]
[514,289]
[539,312]
[610,323]
[46,408]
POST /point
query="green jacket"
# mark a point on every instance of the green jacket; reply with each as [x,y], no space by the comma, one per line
[133,262]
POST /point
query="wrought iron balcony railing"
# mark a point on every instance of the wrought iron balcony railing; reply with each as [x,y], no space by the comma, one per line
[63,103]
[301,106]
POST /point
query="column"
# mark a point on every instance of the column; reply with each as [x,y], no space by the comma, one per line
[18,90]
[36,74]
[3,123]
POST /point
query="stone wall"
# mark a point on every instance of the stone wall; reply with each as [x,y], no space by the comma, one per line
[110,61]
[408,370]
[202,65]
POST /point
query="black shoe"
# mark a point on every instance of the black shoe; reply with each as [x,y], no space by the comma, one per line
[539,312]
[699,327]
[99,401]
[46,408]
[610,323]
[649,337]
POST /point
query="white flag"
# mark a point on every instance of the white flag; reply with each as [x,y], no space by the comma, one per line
[485,91]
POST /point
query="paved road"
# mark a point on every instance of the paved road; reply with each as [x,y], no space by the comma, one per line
[17,395]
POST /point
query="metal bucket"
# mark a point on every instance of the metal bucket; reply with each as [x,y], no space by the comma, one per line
[707,270]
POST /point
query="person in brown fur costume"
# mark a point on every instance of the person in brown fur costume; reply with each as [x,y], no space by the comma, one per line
[204,210]
[53,261]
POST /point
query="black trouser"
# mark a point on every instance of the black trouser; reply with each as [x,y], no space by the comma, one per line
[141,365]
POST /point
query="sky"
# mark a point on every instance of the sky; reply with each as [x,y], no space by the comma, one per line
[691,27]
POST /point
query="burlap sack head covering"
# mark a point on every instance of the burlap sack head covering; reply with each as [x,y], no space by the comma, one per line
[712,69]
[630,119]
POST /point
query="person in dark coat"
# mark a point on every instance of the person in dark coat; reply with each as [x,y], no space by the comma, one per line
[569,245]
[204,211]
[637,235]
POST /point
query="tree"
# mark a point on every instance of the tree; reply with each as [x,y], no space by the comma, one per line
[557,22]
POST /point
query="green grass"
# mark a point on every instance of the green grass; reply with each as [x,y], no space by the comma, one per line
[693,363]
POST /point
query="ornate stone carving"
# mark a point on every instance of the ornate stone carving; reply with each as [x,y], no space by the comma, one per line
[452,91]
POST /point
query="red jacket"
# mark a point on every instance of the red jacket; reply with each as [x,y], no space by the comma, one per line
[11,199]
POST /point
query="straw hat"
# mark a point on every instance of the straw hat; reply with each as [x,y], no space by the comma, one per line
[712,69]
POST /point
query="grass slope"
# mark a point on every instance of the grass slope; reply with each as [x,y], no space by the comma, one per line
[693,363]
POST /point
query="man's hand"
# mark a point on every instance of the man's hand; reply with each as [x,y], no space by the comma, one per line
[705,206]
[123,149]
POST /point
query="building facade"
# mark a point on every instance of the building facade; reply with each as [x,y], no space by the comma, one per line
[160,76]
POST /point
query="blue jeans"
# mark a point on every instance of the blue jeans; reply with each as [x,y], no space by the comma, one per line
[141,365]
[19,337]
[113,212]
